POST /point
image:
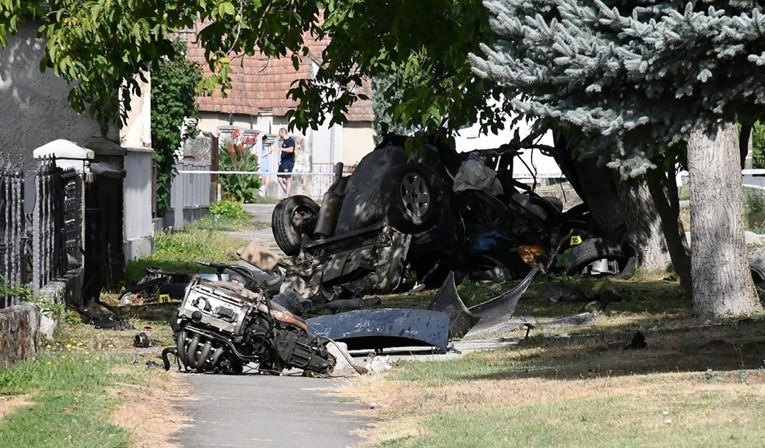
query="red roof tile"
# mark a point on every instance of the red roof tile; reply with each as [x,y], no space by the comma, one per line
[260,83]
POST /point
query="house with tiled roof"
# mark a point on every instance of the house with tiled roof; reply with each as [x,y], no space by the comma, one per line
[258,100]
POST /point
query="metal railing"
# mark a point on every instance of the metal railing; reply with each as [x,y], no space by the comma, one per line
[73,216]
[314,183]
[47,225]
[37,248]
[12,230]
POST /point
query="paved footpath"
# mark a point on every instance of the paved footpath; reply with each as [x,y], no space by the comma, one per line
[269,411]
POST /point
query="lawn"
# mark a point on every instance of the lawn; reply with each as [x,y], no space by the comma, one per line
[92,388]
[695,384]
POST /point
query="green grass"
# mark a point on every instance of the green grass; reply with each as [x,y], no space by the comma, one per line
[227,224]
[696,384]
[693,386]
[178,251]
[614,422]
[70,404]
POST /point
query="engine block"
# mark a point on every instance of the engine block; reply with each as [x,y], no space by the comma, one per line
[215,307]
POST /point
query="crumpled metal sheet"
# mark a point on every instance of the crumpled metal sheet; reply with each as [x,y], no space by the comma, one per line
[492,316]
[448,300]
[495,314]
[475,175]
[384,328]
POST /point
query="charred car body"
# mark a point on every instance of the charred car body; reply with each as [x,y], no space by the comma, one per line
[406,217]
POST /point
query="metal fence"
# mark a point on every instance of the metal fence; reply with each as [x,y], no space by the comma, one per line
[12,230]
[190,193]
[313,184]
[37,248]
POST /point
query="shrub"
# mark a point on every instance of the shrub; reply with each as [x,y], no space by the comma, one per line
[235,155]
[754,209]
[228,209]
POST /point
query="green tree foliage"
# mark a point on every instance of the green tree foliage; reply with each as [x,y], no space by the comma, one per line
[99,45]
[173,100]
[643,78]
[642,81]
[419,49]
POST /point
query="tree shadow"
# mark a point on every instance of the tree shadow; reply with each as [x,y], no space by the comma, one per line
[686,346]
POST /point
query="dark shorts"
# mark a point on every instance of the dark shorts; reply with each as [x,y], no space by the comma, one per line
[286,166]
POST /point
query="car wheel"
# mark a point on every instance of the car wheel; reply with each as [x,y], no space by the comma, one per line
[293,217]
[592,250]
[414,199]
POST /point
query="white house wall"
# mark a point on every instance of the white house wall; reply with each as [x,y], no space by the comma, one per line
[541,165]
[138,231]
[136,133]
[347,144]
[135,137]
[358,141]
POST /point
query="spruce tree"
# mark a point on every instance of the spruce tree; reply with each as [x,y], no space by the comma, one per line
[649,81]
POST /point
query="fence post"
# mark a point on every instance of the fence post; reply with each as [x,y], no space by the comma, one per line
[13,232]
[214,153]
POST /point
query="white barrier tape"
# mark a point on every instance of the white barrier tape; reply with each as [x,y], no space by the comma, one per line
[521,176]
[273,173]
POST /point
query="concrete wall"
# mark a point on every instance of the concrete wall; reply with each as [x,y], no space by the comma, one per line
[138,229]
[33,109]
[19,326]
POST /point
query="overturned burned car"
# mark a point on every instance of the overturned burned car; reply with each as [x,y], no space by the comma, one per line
[406,218]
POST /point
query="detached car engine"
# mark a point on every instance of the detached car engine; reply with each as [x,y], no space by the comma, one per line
[222,326]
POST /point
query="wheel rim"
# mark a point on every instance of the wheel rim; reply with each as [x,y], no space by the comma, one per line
[303,217]
[415,196]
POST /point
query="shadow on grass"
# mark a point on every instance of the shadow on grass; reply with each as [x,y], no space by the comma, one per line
[693,348]
[676,342]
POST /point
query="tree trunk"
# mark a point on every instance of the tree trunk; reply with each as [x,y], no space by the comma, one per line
[722,283]
[667,202]
[644,230]
[596,187]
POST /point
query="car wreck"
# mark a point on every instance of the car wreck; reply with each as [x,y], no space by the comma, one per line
[408,218]
[402,219]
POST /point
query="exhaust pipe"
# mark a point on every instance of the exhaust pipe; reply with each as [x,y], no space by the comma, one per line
[181,346]
[215,357]
[191,355]
[202,359]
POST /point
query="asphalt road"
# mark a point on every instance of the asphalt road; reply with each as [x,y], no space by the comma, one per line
[269,411]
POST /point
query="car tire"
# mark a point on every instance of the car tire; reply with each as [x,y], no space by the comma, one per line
[414,195]
[293,217]
[592,250]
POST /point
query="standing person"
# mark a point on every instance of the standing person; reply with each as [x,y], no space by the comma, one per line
[264,162]
[287,162]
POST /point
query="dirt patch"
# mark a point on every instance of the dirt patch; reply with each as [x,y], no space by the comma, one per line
[8,404]
[151,411]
